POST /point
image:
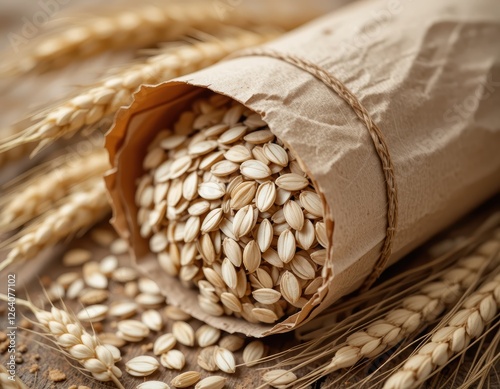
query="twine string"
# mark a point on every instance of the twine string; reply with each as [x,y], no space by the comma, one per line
[375,134]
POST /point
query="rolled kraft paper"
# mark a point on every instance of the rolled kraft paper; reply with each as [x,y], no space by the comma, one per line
[426,73]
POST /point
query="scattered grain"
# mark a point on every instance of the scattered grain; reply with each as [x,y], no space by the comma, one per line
[142,366]
[184,380]
[173,359]
[184,333]
[224,359]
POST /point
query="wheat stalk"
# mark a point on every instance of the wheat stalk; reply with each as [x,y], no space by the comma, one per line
[130,27]
[104,98]
[73,339]
[453,337]
[78,211]
[415,311]
[41,192]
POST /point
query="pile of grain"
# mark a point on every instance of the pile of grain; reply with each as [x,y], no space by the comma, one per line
[227,207]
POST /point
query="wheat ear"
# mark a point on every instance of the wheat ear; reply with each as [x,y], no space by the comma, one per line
[7,383]
[72,338]
[132,27]
[104,98]
[78,211]
[486,360]
[469,322]
[15,154]
[42,191]
[415,311]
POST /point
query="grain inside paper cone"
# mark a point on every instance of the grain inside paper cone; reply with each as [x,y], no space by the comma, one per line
[228,209]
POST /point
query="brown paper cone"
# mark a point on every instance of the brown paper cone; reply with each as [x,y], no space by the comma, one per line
[426,73]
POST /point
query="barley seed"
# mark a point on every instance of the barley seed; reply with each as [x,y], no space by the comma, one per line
[124,274]
[210,307]
[184,380]
[175,313]
[108,265]
[173,359]
[231,302]
[142,366]
[164,343]
[207,335]
[306,236]
[286,246]
[184,333]
[123,310]
[93,313]
[153,385]
[66,279]
[212,220]
[294,215]
[119,246]
[253,351]
[266,196]
[75,289]
[232,251]
[132,330]
[147,285]
[244,221]
[93,296]
[93,277]
[206,359]
[266,295]
[290,287]
[255,169]
[238,154]
[264,315]
[213,382]
[149,300]
[76,257]
[224,359]
[259,137]
[211,190]
[229,274]
[152,319]
[278,378]
[111,339]
[232,342]
[251,256]
[243,194]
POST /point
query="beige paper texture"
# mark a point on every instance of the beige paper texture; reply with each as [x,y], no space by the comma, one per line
[428,73]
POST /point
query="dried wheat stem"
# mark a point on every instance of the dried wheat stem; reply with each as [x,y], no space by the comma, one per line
[41,192]
[79,211]
[469,322]
[415,311]
[103,99]
[132,27]
[72,337]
